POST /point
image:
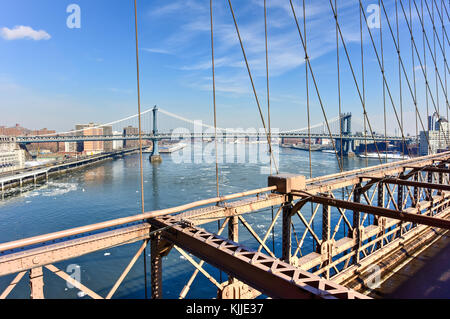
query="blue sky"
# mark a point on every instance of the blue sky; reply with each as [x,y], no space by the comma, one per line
[68,76]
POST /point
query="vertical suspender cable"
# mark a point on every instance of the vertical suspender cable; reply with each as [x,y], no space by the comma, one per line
[316,87]
[214,107]
[339,84]
[214,96]
[402,65]
[140,135]
[425,73]
[252,84]
[386,145]
[414,72]
[399,74]
[307,103]
[268,107]
[307,89]
[445,62]
[436,72]
[363,88]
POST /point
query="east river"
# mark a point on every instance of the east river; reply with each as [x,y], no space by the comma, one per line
[112,189]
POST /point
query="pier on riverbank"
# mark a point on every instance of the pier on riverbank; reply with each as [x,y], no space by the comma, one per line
[22,177]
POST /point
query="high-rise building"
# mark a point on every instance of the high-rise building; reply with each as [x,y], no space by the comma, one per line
[89,147]
[438,139]
[130,130]
[107,145]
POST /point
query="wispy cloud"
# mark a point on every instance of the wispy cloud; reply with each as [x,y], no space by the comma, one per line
[159,51]
[24,32]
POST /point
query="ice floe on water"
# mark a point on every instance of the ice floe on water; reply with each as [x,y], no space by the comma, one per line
[52,189]
[81,294]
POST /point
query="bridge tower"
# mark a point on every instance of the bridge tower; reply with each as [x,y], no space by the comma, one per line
[155,157]
[348,145]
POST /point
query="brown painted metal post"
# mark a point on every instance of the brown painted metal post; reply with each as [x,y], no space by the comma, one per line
[156,267]
[36,283]
[233,229]
[416,191]
[400,204]
[286,236]
[356,220]
[326,233]
[233,235]
[429,190]
[380,221]
[440,182]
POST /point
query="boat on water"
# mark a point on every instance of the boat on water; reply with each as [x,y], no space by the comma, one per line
[390,155]
[329,151]
[306,147]
[172,148]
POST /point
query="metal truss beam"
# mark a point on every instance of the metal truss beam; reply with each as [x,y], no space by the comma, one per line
[380,211]
[229,209]
[431,169]
[271,276]
[53,253]
[328,183]
[399,181]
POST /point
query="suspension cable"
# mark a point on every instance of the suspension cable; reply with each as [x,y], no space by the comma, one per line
[214,109]
[418,56]
[431,53]
[425,71]
[384,87]
[339,84]
[140,135]
[383,73]
[441,17]
[363,86]
[414,75]
[253,85]
[399,70]
[316,88]
[356,82]
[268,104]
[214,96]
[308,113]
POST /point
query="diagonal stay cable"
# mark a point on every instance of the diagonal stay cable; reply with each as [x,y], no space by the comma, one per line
[441,17]
[316,87]
[253,86]
[382,69]
[431,52]
[438,75]
[361,98]
[420,61]
[436,34]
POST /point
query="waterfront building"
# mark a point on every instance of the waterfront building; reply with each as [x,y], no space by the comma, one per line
[11,156]
[438,139]
[130,130]
[107,145]
[118,144]
[89,147]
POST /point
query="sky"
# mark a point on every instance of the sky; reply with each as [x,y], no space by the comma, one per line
[54,76]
